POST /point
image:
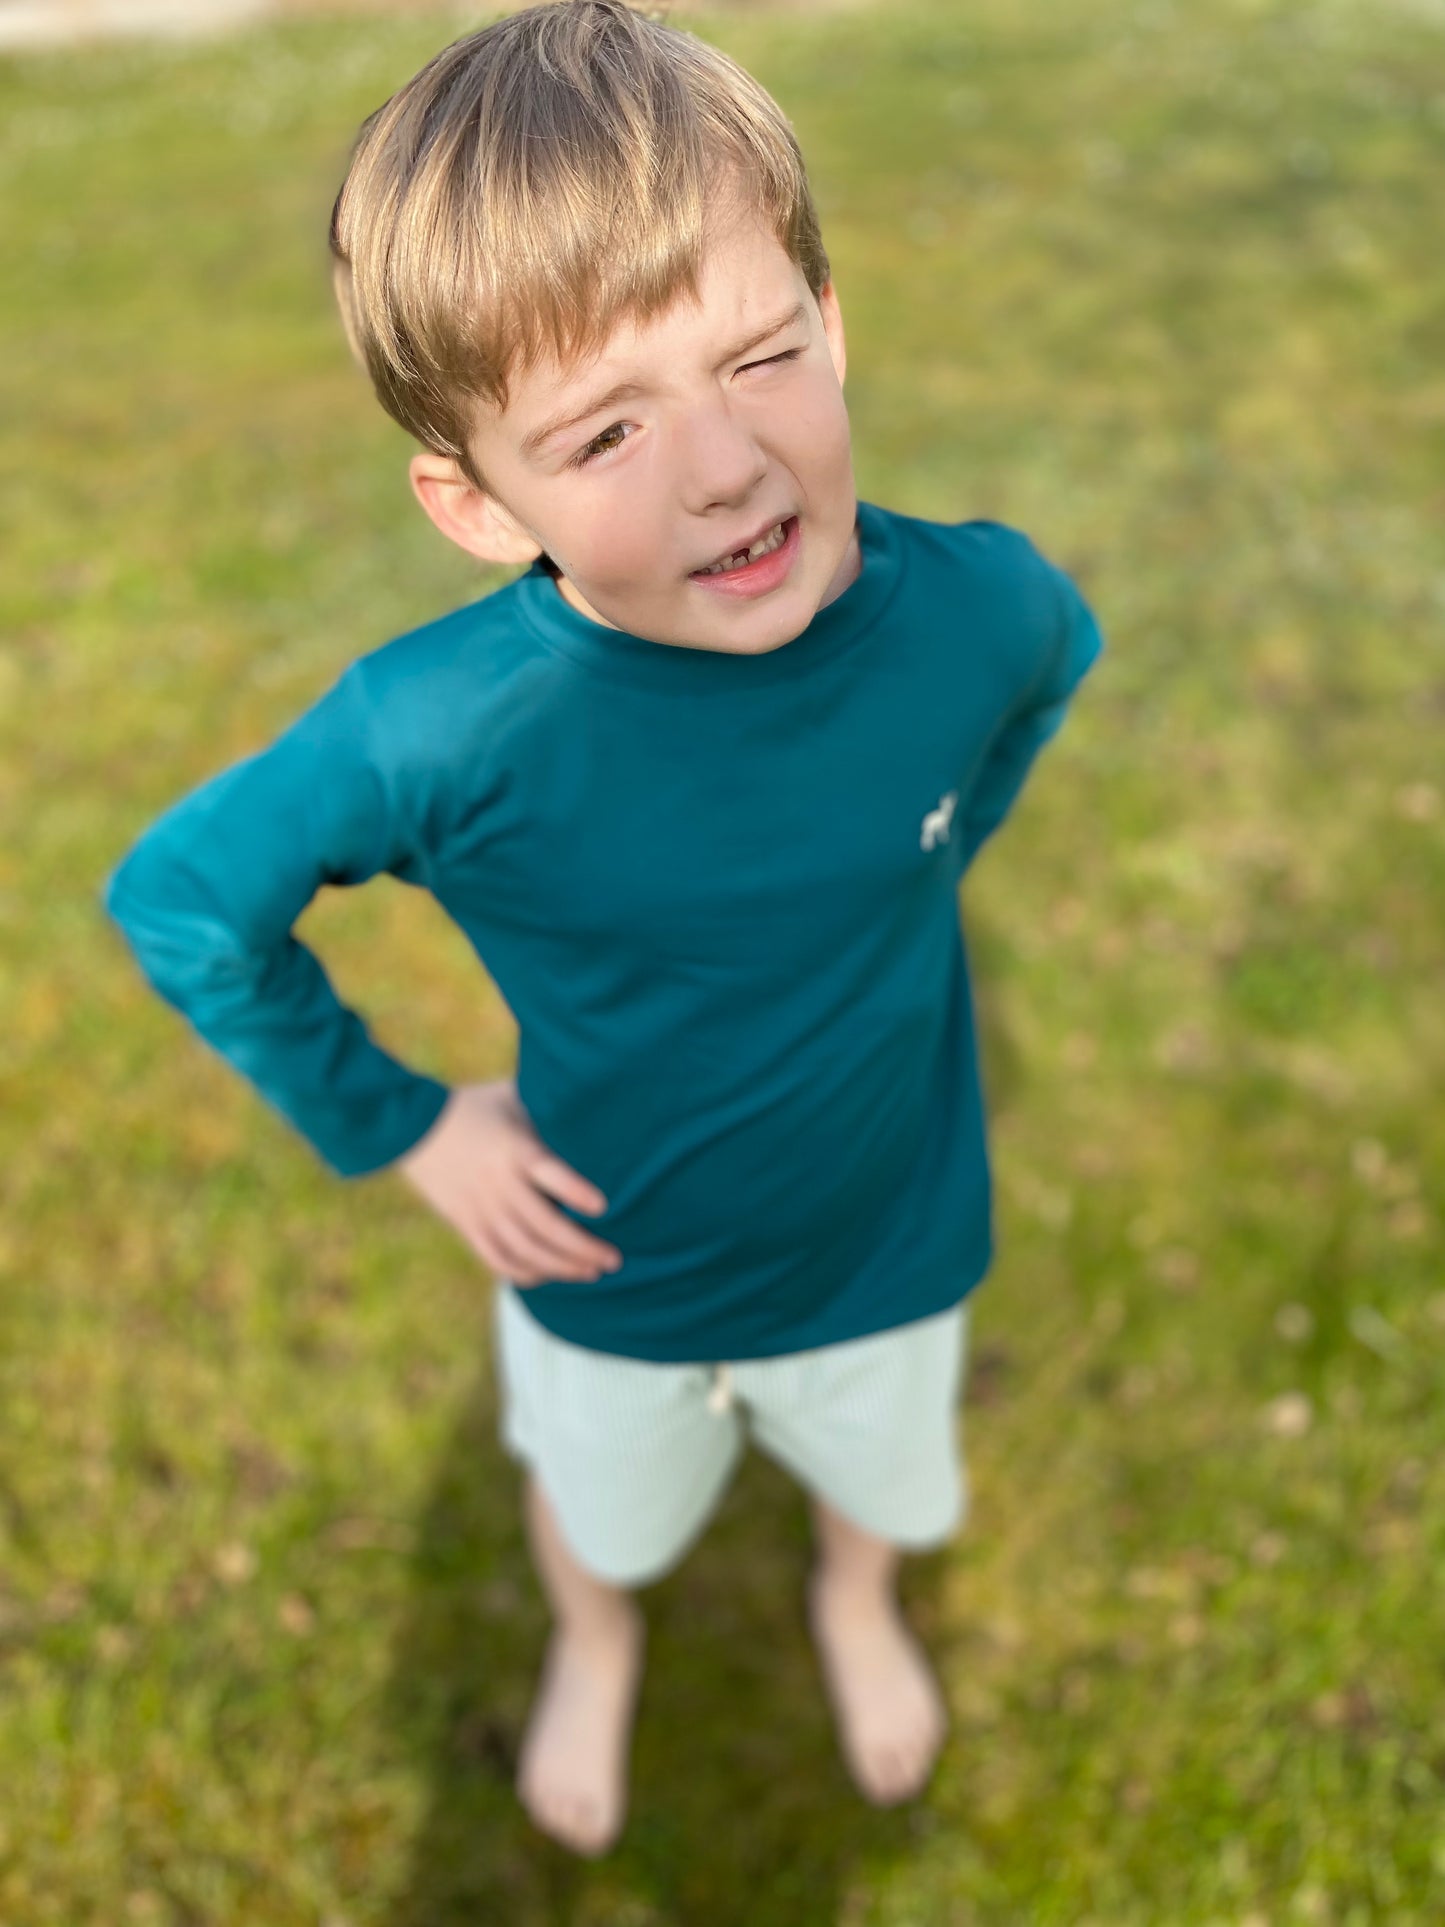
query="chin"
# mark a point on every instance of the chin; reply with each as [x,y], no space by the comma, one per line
[767,639]
[770,647]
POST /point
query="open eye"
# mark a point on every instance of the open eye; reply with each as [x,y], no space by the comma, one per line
[599,445]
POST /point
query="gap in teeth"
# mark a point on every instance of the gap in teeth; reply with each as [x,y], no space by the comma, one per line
[765,546]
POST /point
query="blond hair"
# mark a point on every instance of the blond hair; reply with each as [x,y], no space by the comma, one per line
[533,185]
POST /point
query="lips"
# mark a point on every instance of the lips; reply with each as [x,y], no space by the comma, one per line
[744,543]
[747,581]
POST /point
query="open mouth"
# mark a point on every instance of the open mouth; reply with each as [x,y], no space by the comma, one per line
[757,568]
[765,545]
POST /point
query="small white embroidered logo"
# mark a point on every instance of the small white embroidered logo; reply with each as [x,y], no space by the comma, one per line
[935,824]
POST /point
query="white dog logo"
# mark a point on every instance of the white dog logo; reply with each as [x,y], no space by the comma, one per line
[935,824]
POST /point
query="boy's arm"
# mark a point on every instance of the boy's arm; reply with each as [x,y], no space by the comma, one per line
[207,896]
[1076,645]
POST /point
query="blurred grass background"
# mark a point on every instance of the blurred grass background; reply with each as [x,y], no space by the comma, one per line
[1160,284]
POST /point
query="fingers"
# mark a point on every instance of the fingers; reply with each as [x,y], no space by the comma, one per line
[550,1174]
[559,1239]
[506,1256]
[491,1177]
[536,1241]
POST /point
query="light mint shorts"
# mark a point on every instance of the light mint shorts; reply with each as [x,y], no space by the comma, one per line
[635,1456]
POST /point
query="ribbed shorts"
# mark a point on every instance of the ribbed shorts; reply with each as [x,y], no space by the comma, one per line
[635,1456]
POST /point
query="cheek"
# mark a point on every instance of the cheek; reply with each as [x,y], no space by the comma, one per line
[621,548]
[613,546]
[818,427]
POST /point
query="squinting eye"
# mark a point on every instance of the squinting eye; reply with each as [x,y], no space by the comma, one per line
[788,354]
[599,445]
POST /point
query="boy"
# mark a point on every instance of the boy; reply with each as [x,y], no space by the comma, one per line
[700,787]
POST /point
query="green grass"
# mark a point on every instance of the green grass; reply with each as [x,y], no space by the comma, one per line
[1160,284]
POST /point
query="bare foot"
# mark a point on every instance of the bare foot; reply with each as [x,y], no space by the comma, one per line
[572,1770]
[886,1702]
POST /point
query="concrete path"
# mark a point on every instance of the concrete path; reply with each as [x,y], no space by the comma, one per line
[48,23]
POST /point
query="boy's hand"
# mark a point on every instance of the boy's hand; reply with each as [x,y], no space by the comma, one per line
[484,1169]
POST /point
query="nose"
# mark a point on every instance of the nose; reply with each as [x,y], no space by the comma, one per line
[720,461]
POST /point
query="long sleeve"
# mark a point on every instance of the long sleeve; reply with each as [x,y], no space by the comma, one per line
[207,897]
[1077,644]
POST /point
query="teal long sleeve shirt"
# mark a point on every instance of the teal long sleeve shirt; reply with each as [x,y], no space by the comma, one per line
[718,893]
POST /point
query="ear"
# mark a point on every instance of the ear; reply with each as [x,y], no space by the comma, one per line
[475,521]
[833,328]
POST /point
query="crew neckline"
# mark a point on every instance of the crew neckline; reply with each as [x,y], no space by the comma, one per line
[615,654]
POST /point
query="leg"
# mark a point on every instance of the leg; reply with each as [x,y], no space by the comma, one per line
[889,1710]
[572,1774]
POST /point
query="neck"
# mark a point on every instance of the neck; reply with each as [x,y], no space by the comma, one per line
[847,571]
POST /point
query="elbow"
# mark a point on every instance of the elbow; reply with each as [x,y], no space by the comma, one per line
[184,949]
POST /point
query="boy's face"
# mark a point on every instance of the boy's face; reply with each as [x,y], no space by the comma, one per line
[713,444]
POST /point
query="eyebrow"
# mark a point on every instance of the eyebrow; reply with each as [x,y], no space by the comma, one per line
[624,390]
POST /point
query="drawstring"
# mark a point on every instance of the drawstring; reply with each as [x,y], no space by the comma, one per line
[720,1397]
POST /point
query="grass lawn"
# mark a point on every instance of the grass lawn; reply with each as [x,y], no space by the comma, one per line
[1160,284]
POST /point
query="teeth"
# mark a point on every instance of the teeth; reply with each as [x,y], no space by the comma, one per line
[772,540]
[763,546]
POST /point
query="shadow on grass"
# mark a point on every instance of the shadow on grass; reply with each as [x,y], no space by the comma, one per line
[740,1807]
